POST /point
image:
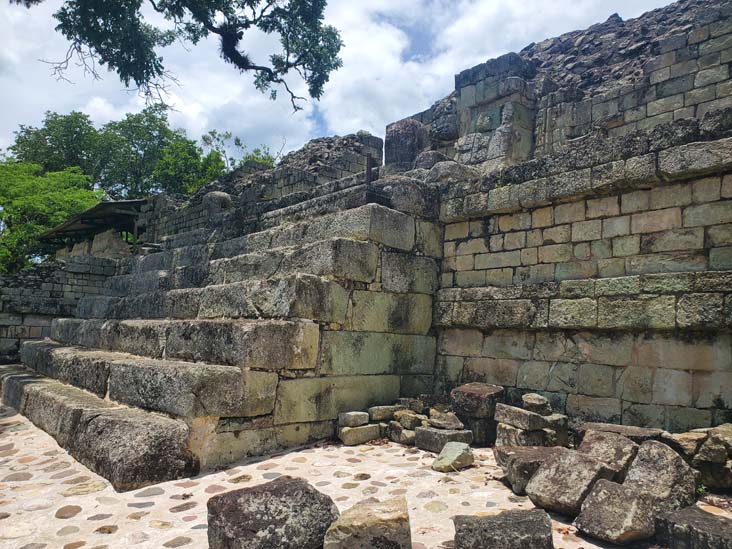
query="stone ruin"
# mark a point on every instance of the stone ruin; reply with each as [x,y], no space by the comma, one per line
[560,225]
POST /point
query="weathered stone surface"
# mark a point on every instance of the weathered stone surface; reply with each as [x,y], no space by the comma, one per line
[693,527]
[537,404]
[617,513]
[453,457]
[371,524]
[636,434]
[661,472]
[286,512]
[352,419]
[522,419]
[428,159]
[519,529]
[476,400]
[685,444]
[404,140]
[508,435]
[352,436]
[615,451]
[714,457]
[563,481]
[383,413]
[521,462]
[397,433]
[410,419]
[444,420]
[484,430]
[434,440]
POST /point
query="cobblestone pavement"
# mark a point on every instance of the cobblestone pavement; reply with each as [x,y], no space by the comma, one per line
[48,500]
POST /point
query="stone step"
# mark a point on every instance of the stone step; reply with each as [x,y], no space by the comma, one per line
[296,296]
[272,345]
[129,447]
[180,389]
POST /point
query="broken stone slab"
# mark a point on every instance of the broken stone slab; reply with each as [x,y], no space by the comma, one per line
[507,435]
[537,404]
[453,457]
[521,462]
[476,400]
[445,420]
[637,434]
[352,419]
[397,433]
[693,527]
[433,440]
[661,472]
[410,419]
[369,524]
[617,513]
[686,444]
[563,481]
[484,430]
[353,436]
[287,512]
[517,529]
[529,421]
[614,450]
[383,413]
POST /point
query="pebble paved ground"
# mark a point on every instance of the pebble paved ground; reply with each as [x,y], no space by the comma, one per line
[48,500]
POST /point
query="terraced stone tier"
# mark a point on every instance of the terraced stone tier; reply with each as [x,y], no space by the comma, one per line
[129,447]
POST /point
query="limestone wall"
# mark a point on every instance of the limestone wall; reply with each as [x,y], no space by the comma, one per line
[30,300]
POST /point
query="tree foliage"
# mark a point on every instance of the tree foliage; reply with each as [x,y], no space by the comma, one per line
[135,156]
[32,202]
[117,34]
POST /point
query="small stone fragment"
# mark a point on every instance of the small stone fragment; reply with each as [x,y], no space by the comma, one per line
[352,419]
[517,529]
[371,524]
[537,404]
[410,419]
[445,420]
[453,457]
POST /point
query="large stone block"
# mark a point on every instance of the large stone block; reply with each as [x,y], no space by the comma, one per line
[563,481]
[319,399]
[521,462]
[694,527]
[408,273]
[516,529]
[614,450]
[286,513]
[433,440]
[476,400]
[390,312]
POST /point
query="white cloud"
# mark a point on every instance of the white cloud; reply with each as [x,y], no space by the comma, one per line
[399,57]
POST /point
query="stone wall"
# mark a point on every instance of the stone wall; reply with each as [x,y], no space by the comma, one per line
[31,299]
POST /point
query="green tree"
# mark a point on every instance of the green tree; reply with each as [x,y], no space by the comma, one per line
[116,34]
[223,142]
[182,168]
[64,140]
[32,202]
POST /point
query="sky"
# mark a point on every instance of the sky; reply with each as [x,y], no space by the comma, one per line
[399,57]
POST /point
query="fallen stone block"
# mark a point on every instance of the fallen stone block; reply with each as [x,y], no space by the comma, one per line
[397,433]
[521,462]
[563,481]
[520,418]
[661,472]
[693,528]
[445,420]
[433,440]
[537,404]
[370,524]
[615,451]
[617,513]
[637,434]
[410,419]
[352,419]
[519,529]
[714,458]
[476,400]
[383,413]
[285,513]
[453,457]
[353,436]
[507,435]
[685,444]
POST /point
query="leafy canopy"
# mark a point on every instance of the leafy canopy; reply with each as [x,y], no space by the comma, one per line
[118,35]
[135,156]
[32,202]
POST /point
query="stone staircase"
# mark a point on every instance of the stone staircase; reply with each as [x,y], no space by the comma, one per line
[209,351]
